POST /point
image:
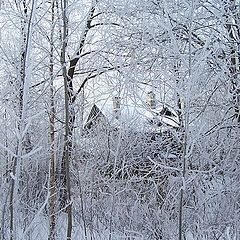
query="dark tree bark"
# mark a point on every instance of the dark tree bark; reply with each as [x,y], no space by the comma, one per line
[71,98]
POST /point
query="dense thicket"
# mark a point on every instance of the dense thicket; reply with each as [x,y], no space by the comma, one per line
[127,170]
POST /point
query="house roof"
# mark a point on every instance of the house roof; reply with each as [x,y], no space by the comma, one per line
[139,117]
[94,115]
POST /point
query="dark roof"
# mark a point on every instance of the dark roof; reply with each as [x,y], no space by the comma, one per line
[93,117]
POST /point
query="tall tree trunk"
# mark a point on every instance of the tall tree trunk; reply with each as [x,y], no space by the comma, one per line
[67,141]
[184,117]
[71,97]
[52,186]
[15,160]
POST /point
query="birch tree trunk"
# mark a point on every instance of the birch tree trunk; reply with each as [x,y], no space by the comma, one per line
[52,164]
[25,79]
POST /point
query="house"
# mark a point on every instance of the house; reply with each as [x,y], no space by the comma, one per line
[128,141]
[151,116]
[154,124]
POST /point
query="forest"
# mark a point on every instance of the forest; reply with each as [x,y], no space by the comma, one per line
[120,120]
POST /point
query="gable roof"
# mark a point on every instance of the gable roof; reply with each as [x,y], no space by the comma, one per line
[94,116]
[138,117]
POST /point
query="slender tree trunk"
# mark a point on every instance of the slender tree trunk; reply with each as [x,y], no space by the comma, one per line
[185,112]
[52,186]
[184,162]
[23,94]
[67,137]
[71,97]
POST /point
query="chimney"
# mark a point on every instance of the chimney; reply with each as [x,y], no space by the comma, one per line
[151,99]
[116,107]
